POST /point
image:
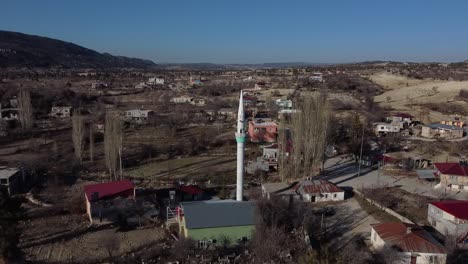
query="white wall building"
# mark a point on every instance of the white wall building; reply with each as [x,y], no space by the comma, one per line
[319,191]
[181,99]
[413,244]
[387,128]
[61,111]
[449,218]
[139,116]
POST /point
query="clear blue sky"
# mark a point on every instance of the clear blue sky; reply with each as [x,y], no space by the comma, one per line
[250,31]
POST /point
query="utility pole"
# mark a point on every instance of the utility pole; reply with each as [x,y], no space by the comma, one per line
[360,154]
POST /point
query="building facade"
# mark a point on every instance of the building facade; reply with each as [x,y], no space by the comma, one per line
[263,130]
[216,221]
[449,218]
[441,131]
[413,244]
[452,175]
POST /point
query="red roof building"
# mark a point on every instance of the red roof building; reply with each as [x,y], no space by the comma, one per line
[453,175]
[318,190]
[458,209]
[105,201]
[112,189]
[450,218]
[414,243]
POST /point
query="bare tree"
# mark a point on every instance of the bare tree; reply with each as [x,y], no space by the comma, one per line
[113,145]
[310,127]
[25,112]
[78,133]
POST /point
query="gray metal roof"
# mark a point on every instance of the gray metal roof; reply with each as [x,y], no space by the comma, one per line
[6,173]
[426,174]
[434,126]
[218,213]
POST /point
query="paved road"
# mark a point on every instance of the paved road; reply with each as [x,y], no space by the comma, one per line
[343,173]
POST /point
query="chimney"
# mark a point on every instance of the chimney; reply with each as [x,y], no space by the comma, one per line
[409,229]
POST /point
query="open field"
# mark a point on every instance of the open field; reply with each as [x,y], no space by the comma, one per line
[72,240]
[391,81]
[190,168]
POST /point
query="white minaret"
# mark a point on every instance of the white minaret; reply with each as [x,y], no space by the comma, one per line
[240,138]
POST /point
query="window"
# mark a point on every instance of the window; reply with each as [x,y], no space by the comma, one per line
[335,195]
[202,244]
[3,181]
[462,187]
[432,259]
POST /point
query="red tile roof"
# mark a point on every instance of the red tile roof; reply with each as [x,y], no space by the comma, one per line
[108,189]
[459,209]
[408,238]
[317,186]
[190,189]
[403,115]
[452,168]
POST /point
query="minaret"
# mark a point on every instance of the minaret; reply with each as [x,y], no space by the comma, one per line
[240,138]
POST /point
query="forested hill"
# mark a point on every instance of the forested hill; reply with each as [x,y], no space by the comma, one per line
[23,50]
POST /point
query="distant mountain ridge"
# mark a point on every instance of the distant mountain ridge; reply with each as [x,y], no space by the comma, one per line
[23,50]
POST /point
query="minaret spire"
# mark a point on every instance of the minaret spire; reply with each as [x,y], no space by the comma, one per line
[240,138]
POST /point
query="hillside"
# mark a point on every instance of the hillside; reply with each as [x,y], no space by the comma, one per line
[22,50]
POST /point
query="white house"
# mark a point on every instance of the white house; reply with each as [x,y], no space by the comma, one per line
[181,99]
[139,116]
[319,191]
[316,77]
[155,80]
[60,111]
[10,179]
[198,102]
[383,128]
[284,103]
[413,244]
[449,218]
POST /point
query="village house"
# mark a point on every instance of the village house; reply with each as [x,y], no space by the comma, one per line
[214,221]
[316,77]
[195,80]
[140,116]
[413,244]
[400,117]
[98,85]
[10,180]
[441,131]
[319,191]
[449,218]
[60,111]
[229,113]
[284,104]
[198,102]
[454,122]
[263,130]
[109,201]
[384,128]
[182,99]
[9,110]
[155,80]
[306,190]
[452,175]
[259,86]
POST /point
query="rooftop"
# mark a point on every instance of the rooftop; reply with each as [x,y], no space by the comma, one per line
[408,238]
[263,122]
[435,126]
[452,168]
[317,186]
[459,209]
[107,189]
[6,173]
[218,213]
